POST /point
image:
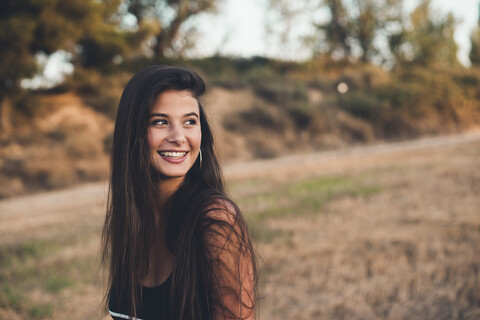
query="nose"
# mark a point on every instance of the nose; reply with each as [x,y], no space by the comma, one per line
[176,135]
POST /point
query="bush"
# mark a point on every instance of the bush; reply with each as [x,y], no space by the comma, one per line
[364,105]
[257,117]
[101,92]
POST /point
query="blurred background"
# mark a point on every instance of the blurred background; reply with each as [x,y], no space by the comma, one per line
[349,132]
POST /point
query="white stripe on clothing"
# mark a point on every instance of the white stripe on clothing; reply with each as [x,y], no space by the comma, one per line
[120,315]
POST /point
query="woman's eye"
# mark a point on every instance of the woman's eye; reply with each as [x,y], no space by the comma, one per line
[159,122]
[191,122]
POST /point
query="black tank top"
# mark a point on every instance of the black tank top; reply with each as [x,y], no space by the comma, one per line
[155,304]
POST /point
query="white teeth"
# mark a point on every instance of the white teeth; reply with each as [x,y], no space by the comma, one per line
[171,154]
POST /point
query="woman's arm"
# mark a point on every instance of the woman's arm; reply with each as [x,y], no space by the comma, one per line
[233,262]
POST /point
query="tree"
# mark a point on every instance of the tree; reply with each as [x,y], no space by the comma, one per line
[372,19]
[171,16]
[356,26]
[475,48]
[338,30]
[30,27]
[280,24]
[352,28]
[427,40]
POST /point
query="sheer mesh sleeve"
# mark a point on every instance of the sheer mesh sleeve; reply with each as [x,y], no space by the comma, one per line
[233,262]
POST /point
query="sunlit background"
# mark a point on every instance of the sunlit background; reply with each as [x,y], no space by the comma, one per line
[248,28]
[349,133]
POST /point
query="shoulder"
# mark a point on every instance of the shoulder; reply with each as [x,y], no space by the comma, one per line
[233,262]
[224,227]
[222,209]
[222,218]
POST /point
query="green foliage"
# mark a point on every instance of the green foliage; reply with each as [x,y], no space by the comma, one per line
[99,49]
[395,103]
[304,115]
[272,83]
[354,31]
[237,73]
[350,32]
[93,31]
[282,92]
[427,40]
[100,91]
[338,29]
[363,105]
[358,23]
[439,97]
[30,27]
[171,40]
[256,117]
[475,49]
[16,61]
[41,311]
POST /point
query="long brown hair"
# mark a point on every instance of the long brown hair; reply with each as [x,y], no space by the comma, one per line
[129,228]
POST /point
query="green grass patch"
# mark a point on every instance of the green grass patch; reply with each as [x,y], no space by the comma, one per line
[20,253]
[50,278]
[366,191]
[10,298]
[39,267]
[56,283]
[41,311]
[325,184]
[314,193]
[274,211]
[275,201]
[307,196]
[236,186]
[261,233]
[261,198]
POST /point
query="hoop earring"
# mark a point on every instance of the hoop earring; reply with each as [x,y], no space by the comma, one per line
[200,157]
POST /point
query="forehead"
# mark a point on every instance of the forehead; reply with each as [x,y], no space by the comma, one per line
[175,102]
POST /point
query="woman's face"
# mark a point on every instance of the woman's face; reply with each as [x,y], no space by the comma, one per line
[174,133]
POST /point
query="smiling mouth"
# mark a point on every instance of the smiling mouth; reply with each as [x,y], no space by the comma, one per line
[172,154]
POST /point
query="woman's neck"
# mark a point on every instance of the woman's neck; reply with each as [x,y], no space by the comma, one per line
[167,188]
[160,258]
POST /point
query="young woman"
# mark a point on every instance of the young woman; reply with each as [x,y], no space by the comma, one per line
[175,245]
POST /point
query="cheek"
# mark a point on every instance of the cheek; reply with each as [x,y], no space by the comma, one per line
[198,139]
[151,140]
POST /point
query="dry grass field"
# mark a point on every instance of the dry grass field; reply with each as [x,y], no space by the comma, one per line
[386,232]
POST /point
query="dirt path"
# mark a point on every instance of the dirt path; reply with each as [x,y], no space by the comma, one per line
[299,163]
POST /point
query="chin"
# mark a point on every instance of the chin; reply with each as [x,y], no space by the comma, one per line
[172,174]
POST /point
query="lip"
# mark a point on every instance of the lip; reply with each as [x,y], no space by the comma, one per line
[173,160]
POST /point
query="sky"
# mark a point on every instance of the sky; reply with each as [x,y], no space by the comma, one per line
[239,29]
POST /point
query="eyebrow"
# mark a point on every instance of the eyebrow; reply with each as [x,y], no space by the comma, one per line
[164,115]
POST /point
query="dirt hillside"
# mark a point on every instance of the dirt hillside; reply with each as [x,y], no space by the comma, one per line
[62,139]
